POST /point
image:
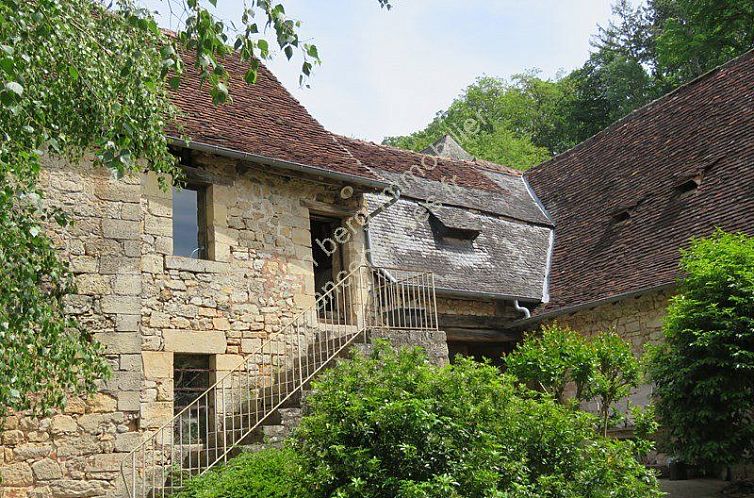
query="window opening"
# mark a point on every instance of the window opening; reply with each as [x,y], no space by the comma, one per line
[189,222]
[191,378]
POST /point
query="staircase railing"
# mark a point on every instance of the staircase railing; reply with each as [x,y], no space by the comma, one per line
[218,421]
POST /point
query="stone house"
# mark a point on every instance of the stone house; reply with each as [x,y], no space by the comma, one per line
[217,303]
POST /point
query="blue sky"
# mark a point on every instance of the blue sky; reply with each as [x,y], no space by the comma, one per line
[388,72]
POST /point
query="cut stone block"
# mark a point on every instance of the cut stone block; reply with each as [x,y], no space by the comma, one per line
[189,341]
[157,364]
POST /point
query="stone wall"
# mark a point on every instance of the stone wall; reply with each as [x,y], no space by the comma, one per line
[467,307]
[434,343]
[144,305]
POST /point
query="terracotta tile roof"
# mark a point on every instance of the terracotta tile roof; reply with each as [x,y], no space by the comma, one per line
[467,184]
[397,160]
[623,201]
[263,119]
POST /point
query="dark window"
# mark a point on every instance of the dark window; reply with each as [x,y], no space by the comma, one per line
[190,378]
[451,237]
[492,352]
[688,186]
[622,216]
[189,222]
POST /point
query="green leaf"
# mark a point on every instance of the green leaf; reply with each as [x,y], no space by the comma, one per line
[7,65]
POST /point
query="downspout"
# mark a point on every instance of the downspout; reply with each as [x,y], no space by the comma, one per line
[522,309]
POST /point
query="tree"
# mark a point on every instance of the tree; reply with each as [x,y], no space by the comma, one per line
[605,89]
[515,123]
[616,372]
[630,34]
[602,367]
[704,370]
[553,359]
[694,36]
[79,76]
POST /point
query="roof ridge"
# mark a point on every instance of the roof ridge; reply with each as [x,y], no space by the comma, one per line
[476,163]
[636,113]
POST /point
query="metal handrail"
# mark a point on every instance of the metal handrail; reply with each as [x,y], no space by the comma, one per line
[374,302]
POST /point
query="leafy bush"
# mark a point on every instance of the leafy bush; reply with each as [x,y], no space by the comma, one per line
[270,473]
[601,368]
[704,370]
[392,425]
[551,360]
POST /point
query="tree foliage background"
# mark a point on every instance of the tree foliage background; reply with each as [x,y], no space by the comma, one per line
[643,53]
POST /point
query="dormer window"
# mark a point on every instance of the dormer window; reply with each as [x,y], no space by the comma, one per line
[454,227]
[626,211]
[622,216]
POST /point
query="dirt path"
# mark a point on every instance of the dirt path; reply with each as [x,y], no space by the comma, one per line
[694,488]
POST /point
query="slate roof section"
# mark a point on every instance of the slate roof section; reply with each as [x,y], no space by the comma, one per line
[505,256]
[618,198]
[460,219]
[451,182]
[507,260]
[446,146]
[263,119]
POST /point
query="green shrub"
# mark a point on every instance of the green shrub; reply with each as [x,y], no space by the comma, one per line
[392,425]
[704,370]
[269,473]
[552,359]
[601,368]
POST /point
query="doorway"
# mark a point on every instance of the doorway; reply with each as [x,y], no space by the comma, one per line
[327,256]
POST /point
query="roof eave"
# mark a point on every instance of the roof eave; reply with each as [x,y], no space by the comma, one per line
[591,304]
[278,163]
[445,291]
